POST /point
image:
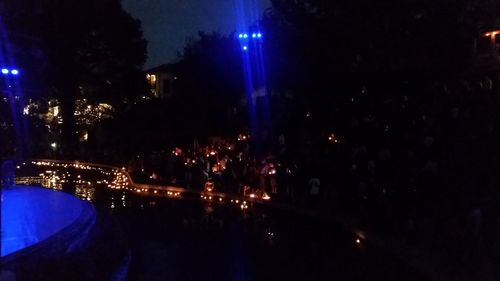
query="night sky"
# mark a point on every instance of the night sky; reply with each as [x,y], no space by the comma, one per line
[168,23]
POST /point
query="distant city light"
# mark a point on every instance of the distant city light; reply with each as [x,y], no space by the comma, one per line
[5,71]
[254,35]
[259,35]
[240,36]
[245,35]
[14,72]
[245,48]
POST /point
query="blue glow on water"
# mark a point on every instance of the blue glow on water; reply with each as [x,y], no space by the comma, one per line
[31,215]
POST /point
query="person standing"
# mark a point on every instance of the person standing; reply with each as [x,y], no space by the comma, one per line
[264,171]
[314,191]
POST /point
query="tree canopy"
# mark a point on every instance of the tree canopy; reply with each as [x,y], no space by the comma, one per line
[328,37]
[210,80]
[85,49]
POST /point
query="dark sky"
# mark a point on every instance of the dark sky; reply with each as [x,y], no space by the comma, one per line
[168,23]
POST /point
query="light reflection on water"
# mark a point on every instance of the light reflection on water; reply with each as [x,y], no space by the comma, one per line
[106,187]
[216,219]
[85,192]
[54,175]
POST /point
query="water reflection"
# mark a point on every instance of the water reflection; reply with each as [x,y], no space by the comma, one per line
[85,192]
[228,230]
[112,189]
[54,175]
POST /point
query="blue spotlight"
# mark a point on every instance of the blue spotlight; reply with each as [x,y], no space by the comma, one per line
[245,48]
[245,35]
[254,35]
[14,72]
[259,35]
[5,71]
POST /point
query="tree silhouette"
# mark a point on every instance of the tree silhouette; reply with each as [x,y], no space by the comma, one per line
[90,49]
[210,81]
[360,36]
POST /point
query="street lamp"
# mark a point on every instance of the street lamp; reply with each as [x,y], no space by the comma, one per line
[254,35]
[246,39]
[7,71]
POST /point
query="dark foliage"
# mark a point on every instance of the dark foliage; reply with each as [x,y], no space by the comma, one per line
[79,49]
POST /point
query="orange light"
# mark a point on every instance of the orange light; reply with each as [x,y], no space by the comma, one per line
[492,33]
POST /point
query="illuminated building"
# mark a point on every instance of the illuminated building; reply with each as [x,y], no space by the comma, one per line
[487,47]
[87,114]
[161,80]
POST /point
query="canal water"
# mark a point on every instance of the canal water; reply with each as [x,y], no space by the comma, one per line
[193,238]
[186,237]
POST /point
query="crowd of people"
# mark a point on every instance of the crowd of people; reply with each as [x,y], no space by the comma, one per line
[229,165]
